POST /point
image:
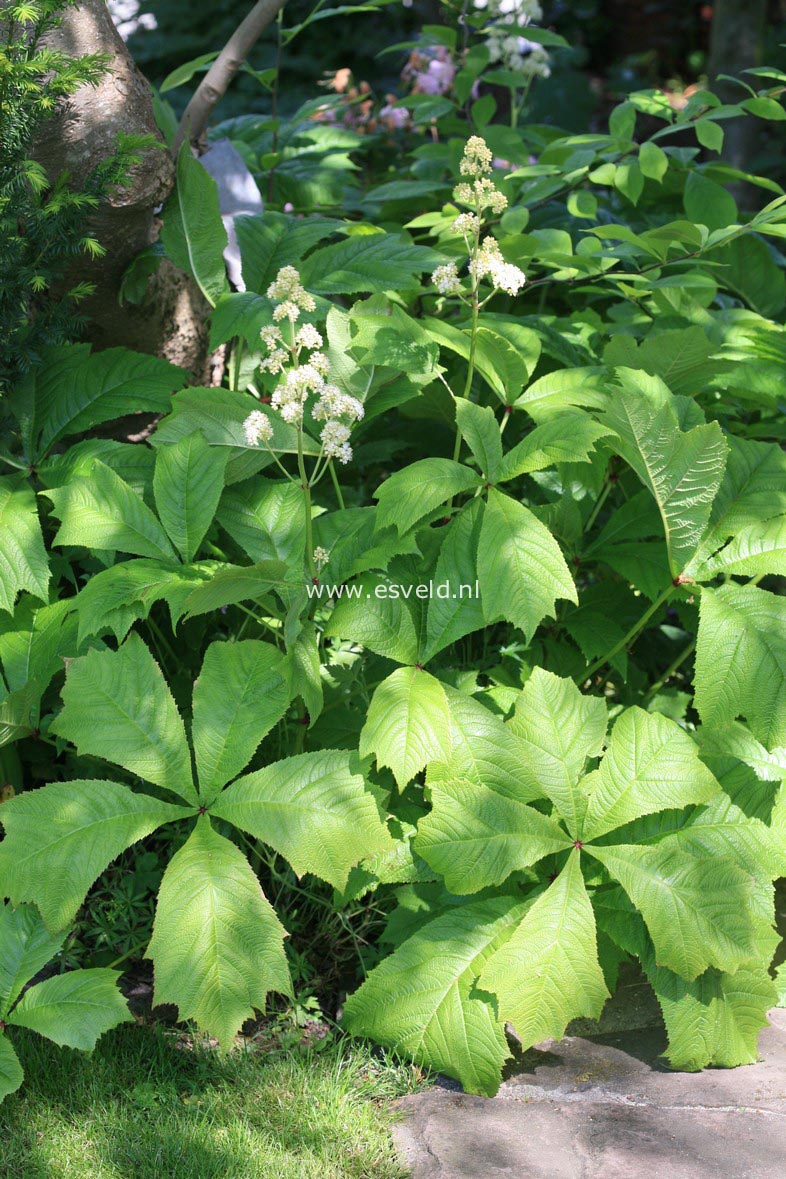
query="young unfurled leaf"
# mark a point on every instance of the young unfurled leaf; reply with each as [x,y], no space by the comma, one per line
[315,811]
[548,972]
[408,723]
[217,945]
[522,569]
[423,1000]
[117,706]
[240,694]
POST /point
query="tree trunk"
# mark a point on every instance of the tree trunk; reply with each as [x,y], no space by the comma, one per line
[170,321]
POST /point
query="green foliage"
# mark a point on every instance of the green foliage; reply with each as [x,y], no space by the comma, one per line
[72,1009]
[462,598]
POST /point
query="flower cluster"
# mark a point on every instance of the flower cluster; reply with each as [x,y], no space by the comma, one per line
[489,263]
[302,378]
[518,54]
[481,193]
[485,258]
[289,295]
[445,278]
[430,70]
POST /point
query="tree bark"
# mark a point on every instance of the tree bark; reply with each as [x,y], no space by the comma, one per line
[170,321]
[214,85]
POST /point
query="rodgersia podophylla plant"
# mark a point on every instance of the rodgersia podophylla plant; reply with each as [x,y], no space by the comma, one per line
[305,394]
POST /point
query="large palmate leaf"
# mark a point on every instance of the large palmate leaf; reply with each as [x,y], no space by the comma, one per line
[408,723]
[72,390]
[650,764]
[188,481]
[101,511]
[696,910]
[73,1009]
[683,470]
[484,750]
[476,838]
[716,1019]
[241,692]
[559,729]
[548,972]
[26,945]
[522,569]
[117,706]
[217,945]
[61,837]
[377,619]
[413,492]
[271,240]
[422,1000]
[23,563]
[11,1074]
[315,811]
[193,233]
[741,660]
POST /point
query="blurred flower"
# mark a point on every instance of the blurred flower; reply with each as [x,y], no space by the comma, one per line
[257,428]
[445,278]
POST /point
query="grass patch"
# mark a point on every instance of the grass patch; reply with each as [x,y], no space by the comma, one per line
[149,1105]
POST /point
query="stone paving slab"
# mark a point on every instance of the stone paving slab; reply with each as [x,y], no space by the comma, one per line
[604,1107]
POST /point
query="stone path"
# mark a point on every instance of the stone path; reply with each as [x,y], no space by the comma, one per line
[601,1106]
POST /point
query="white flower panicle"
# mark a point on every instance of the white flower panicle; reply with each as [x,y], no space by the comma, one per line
[308,337]
[257,428]
[335,404]
[321,556]
[481,194]
[466,223]
[302,377]
[335,440]
[477,157]
[288,293]
[445,278]
[489,263]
